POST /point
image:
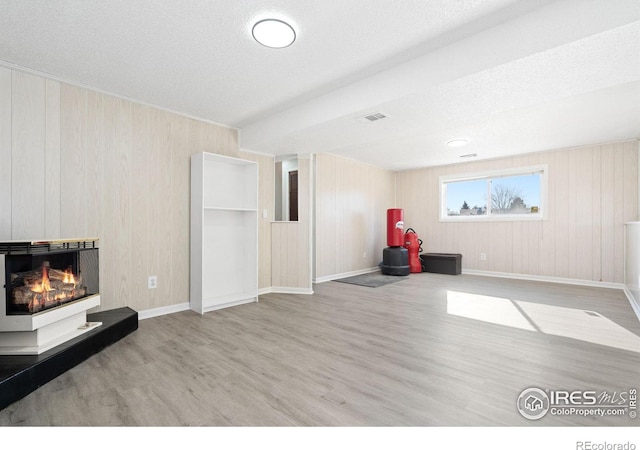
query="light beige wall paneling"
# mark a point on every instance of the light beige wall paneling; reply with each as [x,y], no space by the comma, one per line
[154,211]
[277,257]
[547,239]
[73,188]
[219,139]
[124,281]
[5,153]
[584,213]
[607,220]
[109,232]
[164,248]
[618,212]
[351,203]
[179,206]
[94,165]
[559,196]
[195,141]
[117,218]
[572,206]
[341,216]
[519,264]
[28,156]
[630,207]
[94,147]
[326,220]
[142,195]
[596,211]
[266,201]
[52,160]
[285,242]
[304,214]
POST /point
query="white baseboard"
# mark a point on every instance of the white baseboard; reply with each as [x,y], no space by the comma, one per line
[291,290]
[520,276]
[338,276]
[163,310]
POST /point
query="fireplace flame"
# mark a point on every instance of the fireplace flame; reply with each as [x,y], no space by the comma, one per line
[68,277]
[44,285]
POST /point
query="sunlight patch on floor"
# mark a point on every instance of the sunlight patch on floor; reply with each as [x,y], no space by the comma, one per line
[587,326]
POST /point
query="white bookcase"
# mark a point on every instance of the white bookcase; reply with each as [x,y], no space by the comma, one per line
[224,232]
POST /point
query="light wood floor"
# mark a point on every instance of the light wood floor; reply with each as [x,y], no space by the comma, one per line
[428,350]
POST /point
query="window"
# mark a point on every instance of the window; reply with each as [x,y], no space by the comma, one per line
[512,194]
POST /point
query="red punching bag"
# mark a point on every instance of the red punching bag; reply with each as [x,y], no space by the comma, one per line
[395,227]
[412,244]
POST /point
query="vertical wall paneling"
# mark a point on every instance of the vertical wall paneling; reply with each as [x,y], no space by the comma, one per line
[559,183]
[151,223]
[52,160]
[5,153]
[350,222]
[596,205]
[266,201]
[629,149]
[28,156]
[141,241]
[73,215]
[163,224]
[94,148]
[179,202]
[305,167]
[89,164]
[593,191]
[123,213]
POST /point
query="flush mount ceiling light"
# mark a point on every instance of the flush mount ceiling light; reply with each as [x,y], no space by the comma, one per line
[273,33]
[458,142]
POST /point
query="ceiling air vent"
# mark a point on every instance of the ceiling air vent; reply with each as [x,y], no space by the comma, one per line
[373,117]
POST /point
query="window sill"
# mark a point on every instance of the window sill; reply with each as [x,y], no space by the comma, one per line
[494,218]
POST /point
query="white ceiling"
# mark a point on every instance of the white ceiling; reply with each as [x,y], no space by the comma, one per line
[511,76]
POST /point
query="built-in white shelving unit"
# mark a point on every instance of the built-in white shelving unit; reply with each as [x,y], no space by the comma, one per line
[224,232]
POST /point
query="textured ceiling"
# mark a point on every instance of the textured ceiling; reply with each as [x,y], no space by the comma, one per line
[512,76]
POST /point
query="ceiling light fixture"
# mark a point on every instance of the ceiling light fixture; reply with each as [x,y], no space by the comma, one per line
[273,33]
[458,142]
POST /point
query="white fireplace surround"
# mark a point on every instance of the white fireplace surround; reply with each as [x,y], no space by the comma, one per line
[33,334]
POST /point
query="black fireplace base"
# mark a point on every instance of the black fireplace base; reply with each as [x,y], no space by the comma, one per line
[22,374]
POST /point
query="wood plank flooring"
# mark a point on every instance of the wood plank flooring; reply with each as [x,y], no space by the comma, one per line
[430,350]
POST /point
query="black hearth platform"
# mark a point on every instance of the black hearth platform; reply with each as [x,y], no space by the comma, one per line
[22,374]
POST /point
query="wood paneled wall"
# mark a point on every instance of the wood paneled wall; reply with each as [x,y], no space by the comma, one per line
[352,199]
[77,163]
[291,241]
[266,200]
[593,191]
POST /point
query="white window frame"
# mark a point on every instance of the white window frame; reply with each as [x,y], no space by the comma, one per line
[543,169]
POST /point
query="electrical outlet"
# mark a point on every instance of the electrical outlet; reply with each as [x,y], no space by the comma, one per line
[483,256]
[153,282]
[364,255]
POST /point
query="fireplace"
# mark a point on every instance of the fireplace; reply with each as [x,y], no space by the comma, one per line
[46,289]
